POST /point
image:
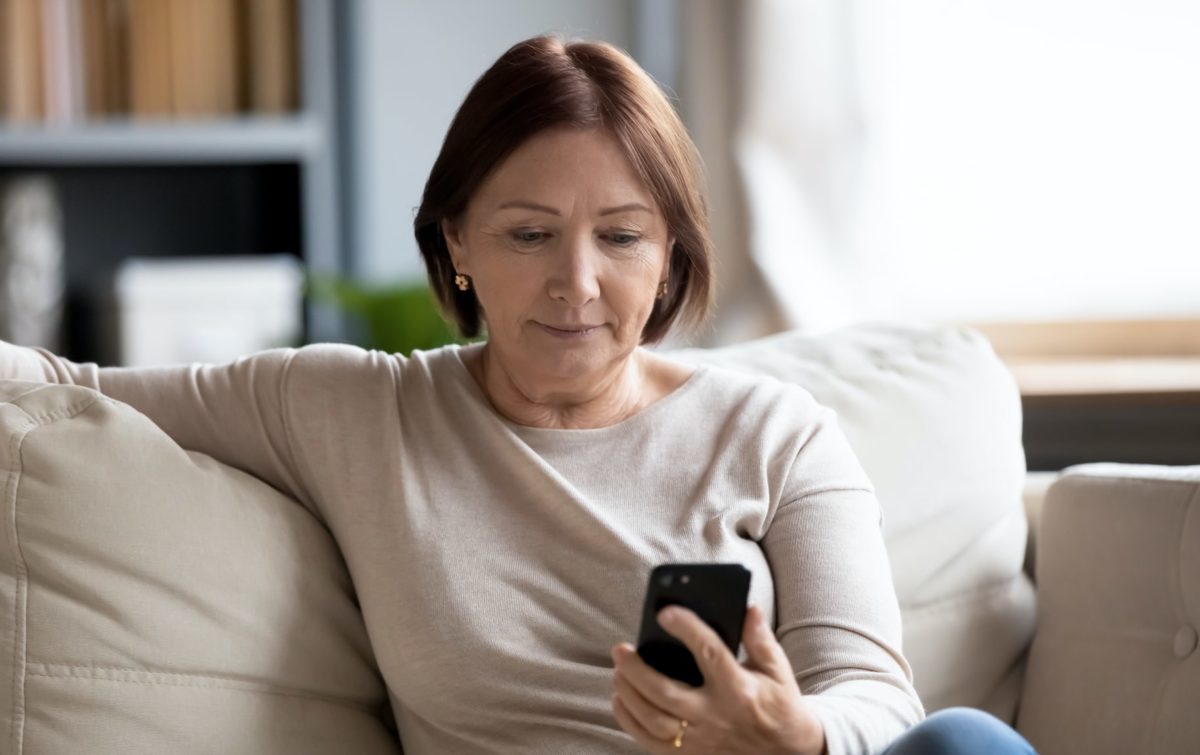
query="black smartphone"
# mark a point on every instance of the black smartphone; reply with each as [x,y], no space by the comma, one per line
[716,592]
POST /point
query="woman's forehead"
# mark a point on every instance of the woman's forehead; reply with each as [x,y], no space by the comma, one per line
[554,172]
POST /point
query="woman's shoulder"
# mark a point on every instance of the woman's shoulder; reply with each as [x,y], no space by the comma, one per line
[744,407]
[340,361]
[783,418]
[335,357]
[721,384]
[340,366]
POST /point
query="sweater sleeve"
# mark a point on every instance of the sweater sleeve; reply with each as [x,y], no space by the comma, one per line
[233,412]
[837,615]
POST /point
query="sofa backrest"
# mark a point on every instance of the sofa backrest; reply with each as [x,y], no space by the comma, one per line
[935,418]
[153,600]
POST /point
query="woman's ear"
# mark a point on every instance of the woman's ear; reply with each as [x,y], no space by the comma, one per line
[453,244]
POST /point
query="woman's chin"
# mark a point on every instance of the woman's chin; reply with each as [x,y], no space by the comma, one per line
[573,363]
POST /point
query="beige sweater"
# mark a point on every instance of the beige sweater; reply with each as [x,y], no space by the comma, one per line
[496,564]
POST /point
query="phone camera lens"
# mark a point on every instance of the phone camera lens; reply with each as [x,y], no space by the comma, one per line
[665,580]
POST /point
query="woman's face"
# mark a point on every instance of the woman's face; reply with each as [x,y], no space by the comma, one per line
[565,249]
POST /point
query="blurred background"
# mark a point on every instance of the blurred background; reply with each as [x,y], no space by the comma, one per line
[186,180]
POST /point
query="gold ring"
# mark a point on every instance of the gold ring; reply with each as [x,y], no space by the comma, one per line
[679,734]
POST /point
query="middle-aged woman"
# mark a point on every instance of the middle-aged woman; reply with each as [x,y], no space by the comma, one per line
[500,505]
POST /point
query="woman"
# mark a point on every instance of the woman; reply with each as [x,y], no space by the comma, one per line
[500,505]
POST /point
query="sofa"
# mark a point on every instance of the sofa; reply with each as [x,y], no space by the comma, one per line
[153,600]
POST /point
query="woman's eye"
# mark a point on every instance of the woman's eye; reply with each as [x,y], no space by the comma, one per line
[528,237]
[624,239]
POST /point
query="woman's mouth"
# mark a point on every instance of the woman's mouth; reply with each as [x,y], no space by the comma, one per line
[569,332]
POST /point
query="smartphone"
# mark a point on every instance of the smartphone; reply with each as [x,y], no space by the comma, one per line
[716,592]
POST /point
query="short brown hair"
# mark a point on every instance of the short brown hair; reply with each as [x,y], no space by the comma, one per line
[545,82]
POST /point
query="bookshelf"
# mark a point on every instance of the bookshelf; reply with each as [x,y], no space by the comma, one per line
[127,142]
[243,183]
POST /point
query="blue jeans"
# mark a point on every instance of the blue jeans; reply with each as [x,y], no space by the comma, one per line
[960,731]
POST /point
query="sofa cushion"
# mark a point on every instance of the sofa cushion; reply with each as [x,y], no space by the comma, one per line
[935,419]
[1115,666]
[153,600]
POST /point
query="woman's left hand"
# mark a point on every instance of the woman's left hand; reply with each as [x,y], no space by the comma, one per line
[756,708]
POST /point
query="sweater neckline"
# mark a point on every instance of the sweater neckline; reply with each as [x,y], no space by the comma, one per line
[528,432]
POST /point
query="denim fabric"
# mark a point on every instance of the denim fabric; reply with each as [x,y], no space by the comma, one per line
[960,731]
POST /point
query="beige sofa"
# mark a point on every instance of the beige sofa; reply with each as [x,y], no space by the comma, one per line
[153,600]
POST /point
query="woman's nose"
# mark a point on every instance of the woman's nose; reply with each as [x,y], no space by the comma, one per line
[574,279]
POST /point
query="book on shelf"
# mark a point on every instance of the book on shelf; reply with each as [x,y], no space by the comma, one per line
[21,87]
[64,61]
[203,84]
[105,55]
[150,57]
[271,42]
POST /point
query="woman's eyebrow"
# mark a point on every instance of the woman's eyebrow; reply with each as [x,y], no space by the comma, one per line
[626,208]
[550,210]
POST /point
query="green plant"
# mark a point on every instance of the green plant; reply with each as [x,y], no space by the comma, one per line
[395,318]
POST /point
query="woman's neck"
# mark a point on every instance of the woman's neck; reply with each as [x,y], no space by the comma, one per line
[598,401]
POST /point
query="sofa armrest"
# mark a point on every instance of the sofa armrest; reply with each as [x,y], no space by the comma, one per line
[1114,665]
[1037,484]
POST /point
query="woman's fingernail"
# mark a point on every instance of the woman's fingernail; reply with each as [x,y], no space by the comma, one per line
[670,613]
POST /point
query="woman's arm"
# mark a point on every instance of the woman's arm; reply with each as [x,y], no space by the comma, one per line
[234,412]
[837,615]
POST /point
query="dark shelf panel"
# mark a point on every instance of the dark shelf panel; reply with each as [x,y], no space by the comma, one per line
[110,213]
[1133,431]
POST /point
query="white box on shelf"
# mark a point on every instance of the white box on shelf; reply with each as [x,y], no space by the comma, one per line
[173,310]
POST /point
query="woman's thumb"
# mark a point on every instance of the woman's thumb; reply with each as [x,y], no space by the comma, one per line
[765,652]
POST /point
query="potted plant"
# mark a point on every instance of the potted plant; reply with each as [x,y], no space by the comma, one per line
[392,317]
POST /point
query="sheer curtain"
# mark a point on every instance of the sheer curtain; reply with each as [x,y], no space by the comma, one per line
[768,90]
[947,160]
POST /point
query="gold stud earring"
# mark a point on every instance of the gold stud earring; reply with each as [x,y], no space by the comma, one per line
[462,281]
[662,290]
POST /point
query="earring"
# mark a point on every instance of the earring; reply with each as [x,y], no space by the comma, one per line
[662,290]
[462,281]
